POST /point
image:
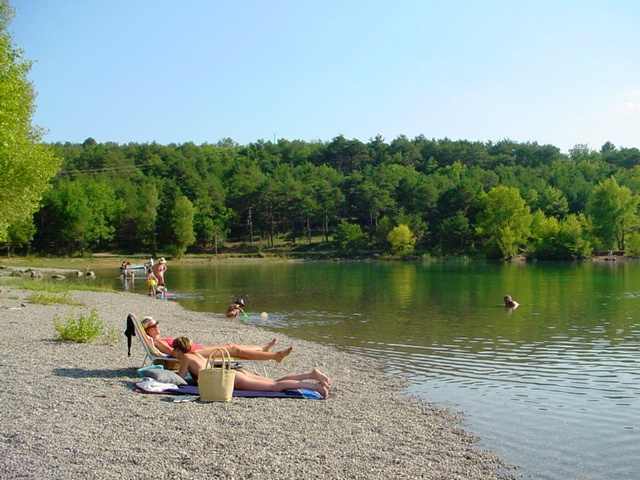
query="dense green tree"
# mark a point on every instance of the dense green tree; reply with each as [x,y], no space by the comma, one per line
[632,245]
[504,221]
[554,239]
[456,234]
[266,190]
[20,233]
[82,215]
[402,240]
[26,166]
[613,212]
[349,237]
[182,222]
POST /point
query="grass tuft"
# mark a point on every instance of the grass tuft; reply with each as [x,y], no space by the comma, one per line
[83,329]
[51,299]
[57,286]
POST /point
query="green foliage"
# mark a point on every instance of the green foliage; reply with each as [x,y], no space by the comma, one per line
[26,165]
[49,299]
[21,232]
[613,212]
[456,234]
[82,329]
[349,237]
[82,213]
[554,239]
[504,221]
[384,227]
[183,225]
[402,240]
[632,245]
[56,286]
[133,197]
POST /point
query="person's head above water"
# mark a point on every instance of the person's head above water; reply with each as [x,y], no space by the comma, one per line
[510,302]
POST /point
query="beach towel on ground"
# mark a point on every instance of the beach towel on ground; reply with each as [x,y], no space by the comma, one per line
[151,386]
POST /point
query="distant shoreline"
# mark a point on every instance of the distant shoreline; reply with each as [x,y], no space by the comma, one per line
[105,260]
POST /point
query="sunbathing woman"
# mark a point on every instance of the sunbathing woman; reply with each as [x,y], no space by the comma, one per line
[243,352]
[192,362]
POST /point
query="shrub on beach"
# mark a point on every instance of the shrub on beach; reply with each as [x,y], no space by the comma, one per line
[58,286]
[50,299]
[84,329]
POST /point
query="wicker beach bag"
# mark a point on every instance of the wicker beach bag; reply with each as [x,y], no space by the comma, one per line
[215,381]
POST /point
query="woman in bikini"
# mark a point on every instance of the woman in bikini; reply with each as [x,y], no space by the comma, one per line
[243,352]
[192,362]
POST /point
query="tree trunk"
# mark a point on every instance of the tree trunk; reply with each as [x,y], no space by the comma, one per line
[325,226]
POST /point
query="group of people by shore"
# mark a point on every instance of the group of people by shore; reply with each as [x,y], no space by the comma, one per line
[154,275]
[192,359]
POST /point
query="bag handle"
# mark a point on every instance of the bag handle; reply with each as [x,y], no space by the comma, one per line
[225,356]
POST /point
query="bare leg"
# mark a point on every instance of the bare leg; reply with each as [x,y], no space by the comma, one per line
[265,348]
[237,351]
[269,345]
[255,382]
[314,374]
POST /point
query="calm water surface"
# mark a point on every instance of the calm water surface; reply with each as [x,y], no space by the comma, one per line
[553,386]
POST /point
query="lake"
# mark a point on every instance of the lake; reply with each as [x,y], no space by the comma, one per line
[552,387]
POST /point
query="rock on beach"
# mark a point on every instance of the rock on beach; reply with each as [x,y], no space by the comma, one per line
[69,411]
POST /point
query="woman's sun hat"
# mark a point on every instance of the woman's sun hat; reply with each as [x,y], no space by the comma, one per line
[162,260]
[148,322]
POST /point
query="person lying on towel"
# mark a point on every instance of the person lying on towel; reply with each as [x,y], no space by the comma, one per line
[192,362]
[243,352]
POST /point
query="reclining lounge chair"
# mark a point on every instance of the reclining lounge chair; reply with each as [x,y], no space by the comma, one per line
[152,354]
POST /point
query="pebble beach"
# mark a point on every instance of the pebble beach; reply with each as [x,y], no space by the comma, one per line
[70,411]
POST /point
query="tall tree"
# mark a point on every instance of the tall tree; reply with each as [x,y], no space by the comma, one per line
[26,166]
[182,222]
[612,210]
[504,221]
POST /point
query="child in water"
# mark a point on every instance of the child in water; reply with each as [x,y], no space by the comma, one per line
[235,308]
[152,283]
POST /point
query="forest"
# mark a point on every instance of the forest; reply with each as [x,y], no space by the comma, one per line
[405,197]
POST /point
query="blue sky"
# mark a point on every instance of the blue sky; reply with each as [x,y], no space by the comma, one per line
[560,72]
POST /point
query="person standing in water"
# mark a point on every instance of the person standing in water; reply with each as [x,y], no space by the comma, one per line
[159,269]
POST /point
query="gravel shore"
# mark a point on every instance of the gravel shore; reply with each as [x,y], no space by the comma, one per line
[69,411]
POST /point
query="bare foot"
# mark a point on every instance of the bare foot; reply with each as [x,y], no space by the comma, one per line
[282,354]
[322,390]
[321,377]
[316,386]
[269,346]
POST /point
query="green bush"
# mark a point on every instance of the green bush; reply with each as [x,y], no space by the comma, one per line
[57,286]
[632,245]
[84,329]
[349,237]
[402,240]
